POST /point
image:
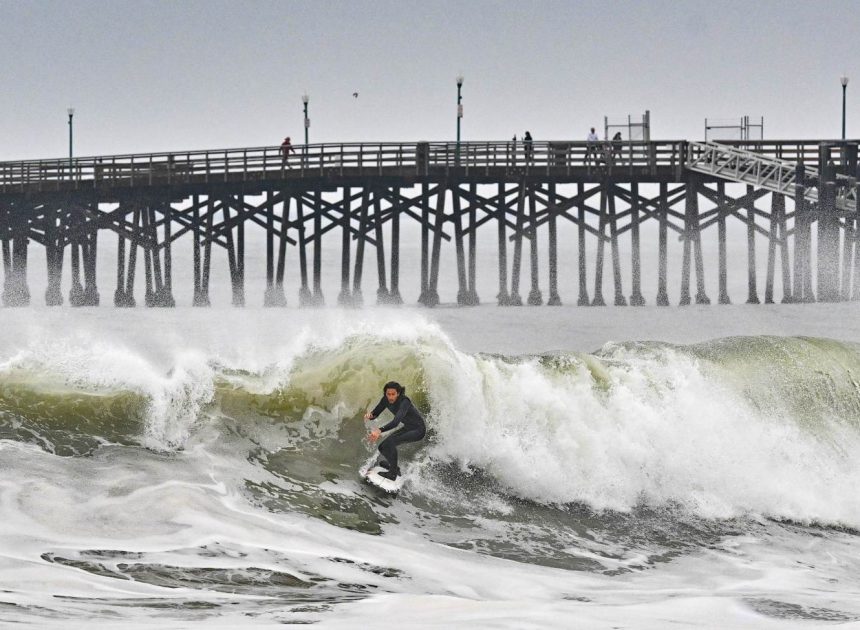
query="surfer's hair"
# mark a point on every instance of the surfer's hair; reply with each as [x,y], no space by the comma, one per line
[395,386]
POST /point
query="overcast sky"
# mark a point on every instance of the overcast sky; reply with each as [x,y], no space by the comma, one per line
[164,75]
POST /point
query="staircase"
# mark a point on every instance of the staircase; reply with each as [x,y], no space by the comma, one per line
[747,167]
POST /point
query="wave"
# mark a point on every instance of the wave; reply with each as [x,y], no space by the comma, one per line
[733,427]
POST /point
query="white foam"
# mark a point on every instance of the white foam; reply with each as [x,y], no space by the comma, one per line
[653,429]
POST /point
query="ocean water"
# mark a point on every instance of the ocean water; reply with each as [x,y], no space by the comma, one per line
[584,468]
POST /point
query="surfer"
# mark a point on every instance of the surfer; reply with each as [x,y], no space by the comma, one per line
[394,398]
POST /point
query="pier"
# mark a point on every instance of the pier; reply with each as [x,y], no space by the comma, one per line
[800,196]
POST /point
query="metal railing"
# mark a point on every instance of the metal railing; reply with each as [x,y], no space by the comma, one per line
[739,164]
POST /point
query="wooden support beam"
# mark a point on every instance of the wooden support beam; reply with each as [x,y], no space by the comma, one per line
[828,239]
[535,297]
[849,237]
[800,231]
[721,245]
[206,271]
[636,297]
[472,231]
[359,250]
[15,289]
[270,250]
[149,296]
[166,298]
[305,297]
[598,265]
[76,292]
[197,262]
[771,247]
[462,282]
[278,297]
[687,239]
[137,222]
[701,295]
[438,231]
[237,289]
[54,258]
[855,292]
[503,298]
[581,219]
[91,292]
[382,295]
[752,297]
[344,298]
[317,298]
[787,297]
[240,261]
[516,300]
[156,259]
[662,247]
[616,258]
[8,274]
[394,294]
[554,299]
[425,245]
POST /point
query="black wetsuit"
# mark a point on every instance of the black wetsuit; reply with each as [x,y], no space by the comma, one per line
[413,428]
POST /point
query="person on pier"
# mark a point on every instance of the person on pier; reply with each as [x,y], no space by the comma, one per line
[616,146]
[529,146]
[413,430]
[591,148]
[286,149]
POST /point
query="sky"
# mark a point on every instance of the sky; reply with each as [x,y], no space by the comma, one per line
[155,75]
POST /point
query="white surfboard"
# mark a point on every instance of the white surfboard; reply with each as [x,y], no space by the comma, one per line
[372,477]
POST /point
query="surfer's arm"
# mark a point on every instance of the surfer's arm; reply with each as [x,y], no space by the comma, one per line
[380,407]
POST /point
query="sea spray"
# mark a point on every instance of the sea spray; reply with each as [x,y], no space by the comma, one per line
[654,427]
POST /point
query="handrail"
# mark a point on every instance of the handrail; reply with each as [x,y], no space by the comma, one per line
[362,158]
[778,175]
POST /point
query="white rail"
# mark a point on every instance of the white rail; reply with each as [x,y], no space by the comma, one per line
[747,167]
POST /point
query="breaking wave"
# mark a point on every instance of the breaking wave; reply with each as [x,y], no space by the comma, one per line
[736,427]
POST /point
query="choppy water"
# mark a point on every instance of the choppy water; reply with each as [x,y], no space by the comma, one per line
[186,472]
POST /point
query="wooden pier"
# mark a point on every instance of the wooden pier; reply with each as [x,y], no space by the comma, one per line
[356,196]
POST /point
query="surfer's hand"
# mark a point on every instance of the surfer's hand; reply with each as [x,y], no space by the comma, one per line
[368,416]
[374,435]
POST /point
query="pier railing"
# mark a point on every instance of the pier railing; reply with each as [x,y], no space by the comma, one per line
[362,159]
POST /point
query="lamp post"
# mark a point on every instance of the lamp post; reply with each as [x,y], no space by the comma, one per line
[305,99]
[844,81]
[71,112]
[459,114]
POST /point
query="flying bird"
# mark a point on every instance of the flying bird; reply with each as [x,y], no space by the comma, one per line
[355,95]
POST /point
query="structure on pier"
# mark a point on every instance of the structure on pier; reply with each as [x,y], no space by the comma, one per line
[355,197]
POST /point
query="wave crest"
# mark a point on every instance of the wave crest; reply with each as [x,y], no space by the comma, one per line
[736,426]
